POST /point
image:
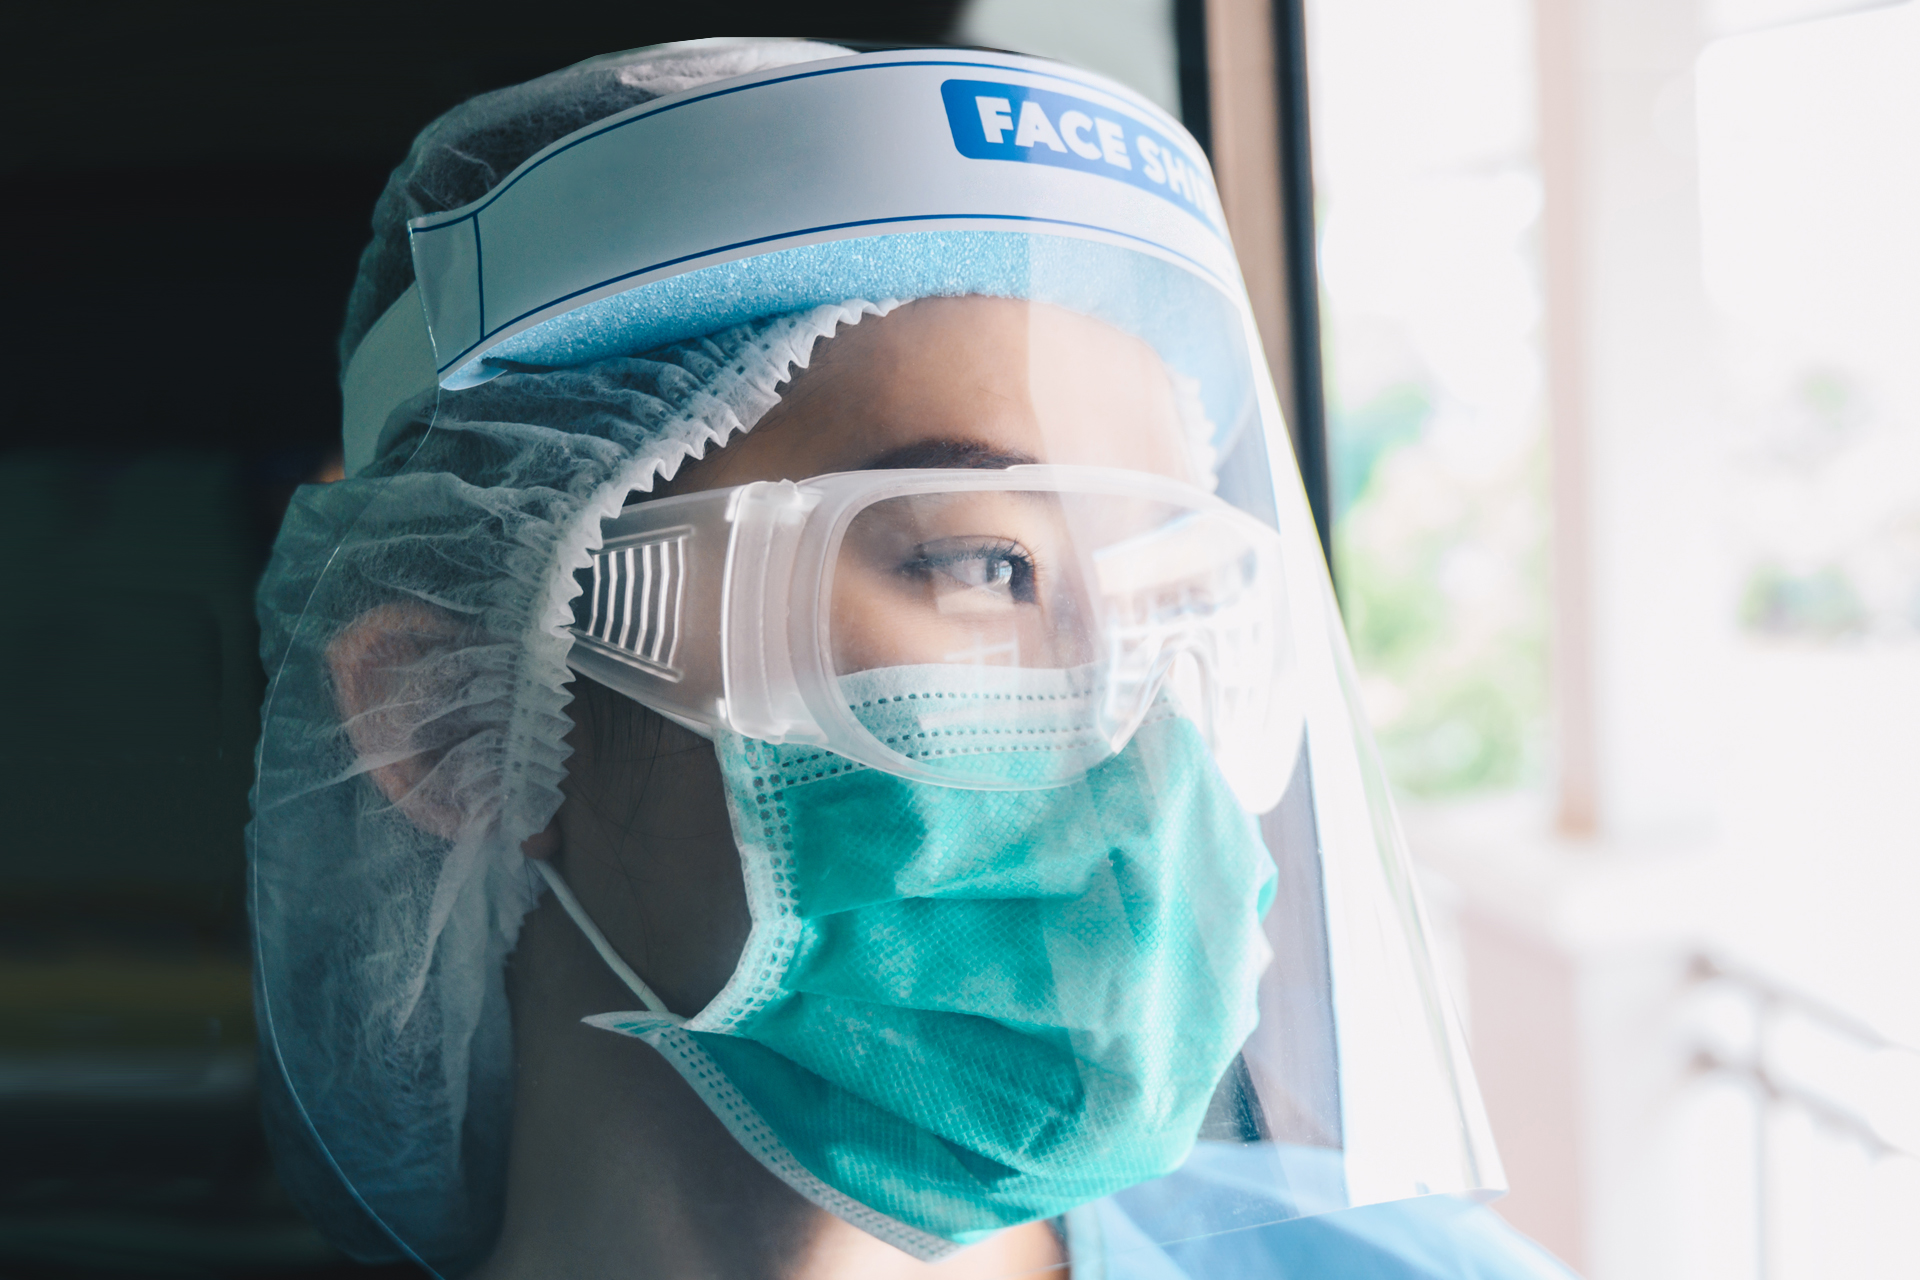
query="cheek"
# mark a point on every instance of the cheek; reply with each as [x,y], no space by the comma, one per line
[647,846]
[874,624]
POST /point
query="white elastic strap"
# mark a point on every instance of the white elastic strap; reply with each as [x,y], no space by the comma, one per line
[571,905]
[392,365]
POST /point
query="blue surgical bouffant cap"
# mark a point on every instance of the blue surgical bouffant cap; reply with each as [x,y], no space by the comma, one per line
[380,947]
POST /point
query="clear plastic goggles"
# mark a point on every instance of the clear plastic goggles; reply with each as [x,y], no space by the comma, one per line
[1081,598]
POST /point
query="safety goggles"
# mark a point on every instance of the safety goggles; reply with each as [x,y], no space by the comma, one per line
[1070,600]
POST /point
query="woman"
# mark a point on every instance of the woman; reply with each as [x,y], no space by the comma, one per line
[786,753]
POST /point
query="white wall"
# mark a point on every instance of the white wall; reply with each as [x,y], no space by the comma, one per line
[1752,792]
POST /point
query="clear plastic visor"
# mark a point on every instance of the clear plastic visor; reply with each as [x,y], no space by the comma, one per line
[1061,497]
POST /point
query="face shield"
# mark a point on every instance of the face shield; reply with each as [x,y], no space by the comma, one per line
[921,457]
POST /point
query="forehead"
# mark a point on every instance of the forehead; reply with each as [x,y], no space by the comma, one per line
[998,376]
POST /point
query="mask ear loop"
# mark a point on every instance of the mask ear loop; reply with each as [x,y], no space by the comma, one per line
[571,905]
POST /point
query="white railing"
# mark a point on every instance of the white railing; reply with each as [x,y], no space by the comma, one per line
[1798,1056]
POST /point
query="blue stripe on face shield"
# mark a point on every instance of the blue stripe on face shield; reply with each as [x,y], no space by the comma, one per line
[994,120]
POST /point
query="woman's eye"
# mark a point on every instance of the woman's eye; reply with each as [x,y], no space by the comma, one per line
[982,571]
[1000,567]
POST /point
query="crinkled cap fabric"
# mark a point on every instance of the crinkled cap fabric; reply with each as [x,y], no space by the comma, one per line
[385,927]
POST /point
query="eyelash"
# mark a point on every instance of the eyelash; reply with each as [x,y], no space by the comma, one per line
[1005,551]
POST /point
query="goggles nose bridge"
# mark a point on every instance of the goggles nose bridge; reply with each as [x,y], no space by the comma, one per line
[1140,661]
[1194,615]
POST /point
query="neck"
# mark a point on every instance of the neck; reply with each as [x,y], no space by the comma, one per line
[617,1169]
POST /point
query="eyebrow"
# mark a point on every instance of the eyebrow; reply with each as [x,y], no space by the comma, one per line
[948,453]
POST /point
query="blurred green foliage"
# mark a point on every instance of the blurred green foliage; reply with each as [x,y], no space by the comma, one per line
[1442,583]
[1818,605]
[1362,436]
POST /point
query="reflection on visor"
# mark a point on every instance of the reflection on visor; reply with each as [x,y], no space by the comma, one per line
[1177,592]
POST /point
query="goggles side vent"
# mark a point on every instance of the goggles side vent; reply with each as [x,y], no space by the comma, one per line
[630,609]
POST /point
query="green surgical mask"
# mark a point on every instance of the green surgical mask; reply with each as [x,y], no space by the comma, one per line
[960,1010]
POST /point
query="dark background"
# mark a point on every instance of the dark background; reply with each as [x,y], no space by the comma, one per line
[185,190]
